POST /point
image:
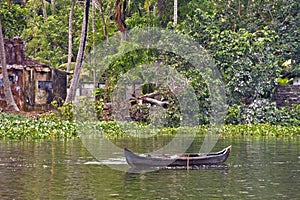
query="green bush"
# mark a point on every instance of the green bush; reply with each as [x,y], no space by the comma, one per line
[263,111]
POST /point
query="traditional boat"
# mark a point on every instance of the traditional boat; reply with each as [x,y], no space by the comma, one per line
[176,160]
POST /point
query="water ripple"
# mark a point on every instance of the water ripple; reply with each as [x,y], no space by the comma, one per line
[111,161]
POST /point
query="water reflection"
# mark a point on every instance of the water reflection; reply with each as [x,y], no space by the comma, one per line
[203,167]
[176,184]
[257,168]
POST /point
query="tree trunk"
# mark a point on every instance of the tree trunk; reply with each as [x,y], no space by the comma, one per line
[80,55]
[94,31]
[248,7]
[160,7]
[70,35]
[155,102]
[103,20]
[11,105]
[120,17]
[53,7]
[239,9]
[175,12]
[44,9]
[93,21]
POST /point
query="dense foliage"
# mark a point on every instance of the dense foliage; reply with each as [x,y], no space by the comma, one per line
[255,45]
[13,19]
[20,127]
[263,111]
[48,127]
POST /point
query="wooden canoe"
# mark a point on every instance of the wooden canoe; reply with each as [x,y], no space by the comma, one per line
[176,160]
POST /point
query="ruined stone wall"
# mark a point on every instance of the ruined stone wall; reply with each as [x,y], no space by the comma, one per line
[286,95]
[14,51]
[15,78]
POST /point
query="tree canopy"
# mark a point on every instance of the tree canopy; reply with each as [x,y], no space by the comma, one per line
[253,42]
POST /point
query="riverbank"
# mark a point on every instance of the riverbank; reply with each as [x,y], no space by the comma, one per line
[16,126]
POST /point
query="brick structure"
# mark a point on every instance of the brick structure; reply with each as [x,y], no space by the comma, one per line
[286,95]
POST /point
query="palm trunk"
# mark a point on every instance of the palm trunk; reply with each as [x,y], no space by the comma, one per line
[160,7]
[70,35]
[239,9]
[119,16]
[175,12]
[94,31]
[11,105]
[93,21]
[53,7]
[103,20]
[80,55]
[44,9]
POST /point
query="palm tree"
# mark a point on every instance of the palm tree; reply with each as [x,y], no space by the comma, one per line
[11,105]
[70,35]
[71,94]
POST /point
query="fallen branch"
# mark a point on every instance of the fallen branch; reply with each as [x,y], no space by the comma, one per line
[151,95]
[155,102]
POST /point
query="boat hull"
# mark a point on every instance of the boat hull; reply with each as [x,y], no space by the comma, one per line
[176,160]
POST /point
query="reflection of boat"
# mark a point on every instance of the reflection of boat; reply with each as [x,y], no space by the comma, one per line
[176,160]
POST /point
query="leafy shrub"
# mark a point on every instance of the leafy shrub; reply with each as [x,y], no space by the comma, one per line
[263,111]
[234,115]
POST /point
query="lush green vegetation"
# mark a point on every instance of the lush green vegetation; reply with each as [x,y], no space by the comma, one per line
[264,111]
[255,45]
[20,127]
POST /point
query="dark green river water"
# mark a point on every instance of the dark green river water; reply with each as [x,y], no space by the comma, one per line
[258,168]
